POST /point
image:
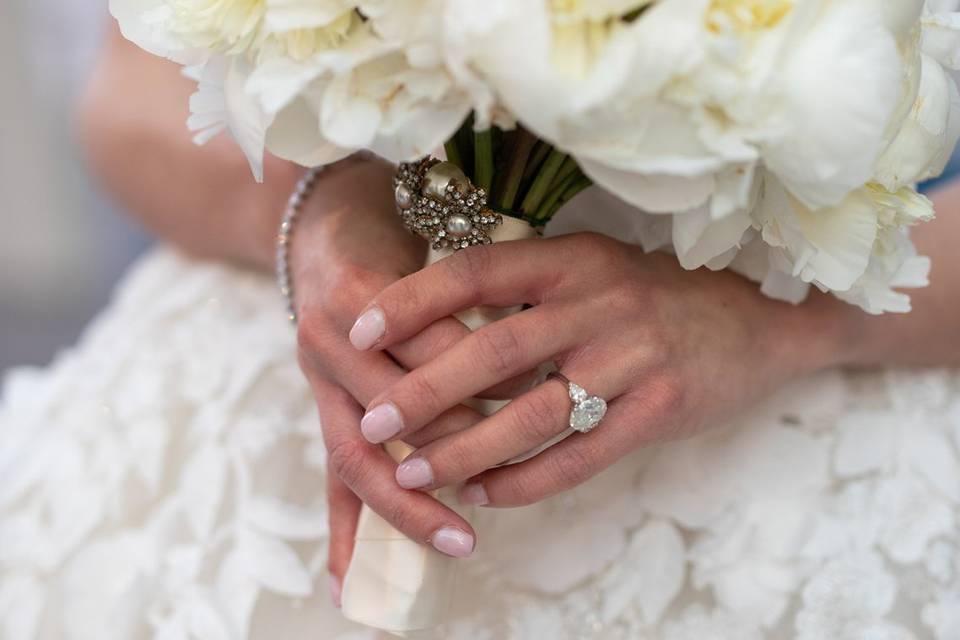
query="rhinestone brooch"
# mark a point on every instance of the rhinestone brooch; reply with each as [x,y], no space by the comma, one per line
[438,202]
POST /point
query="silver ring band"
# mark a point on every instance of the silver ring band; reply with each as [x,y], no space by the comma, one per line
[588,410]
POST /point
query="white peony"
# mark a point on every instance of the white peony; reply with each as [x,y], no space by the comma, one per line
[779,138]
[190,30]
[311,81]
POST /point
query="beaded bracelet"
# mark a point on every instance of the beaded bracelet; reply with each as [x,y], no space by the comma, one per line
[285,237]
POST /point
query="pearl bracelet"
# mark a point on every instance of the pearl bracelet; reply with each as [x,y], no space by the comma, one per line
[285,237]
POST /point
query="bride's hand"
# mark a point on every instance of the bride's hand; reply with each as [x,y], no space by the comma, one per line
[348,246]
[672,351]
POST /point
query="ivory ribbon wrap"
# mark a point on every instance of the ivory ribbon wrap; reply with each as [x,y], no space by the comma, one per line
[393,583]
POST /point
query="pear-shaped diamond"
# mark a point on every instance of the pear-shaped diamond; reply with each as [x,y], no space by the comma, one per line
[577,393]
[587,414]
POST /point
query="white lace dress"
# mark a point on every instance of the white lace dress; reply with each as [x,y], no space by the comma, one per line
[164,479]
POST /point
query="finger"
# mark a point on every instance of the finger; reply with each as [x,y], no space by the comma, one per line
[343,513]
[369,472]
[427,345]
[365,375]
[494,353]
[481,275]
[523,426]
[440,337]
[566,464]
[322,349]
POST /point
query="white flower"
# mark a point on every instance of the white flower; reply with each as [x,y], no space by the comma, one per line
[221,103]
[929,133]
[783,137]
[181,28]
[858,249]
[310,81]
[832,97]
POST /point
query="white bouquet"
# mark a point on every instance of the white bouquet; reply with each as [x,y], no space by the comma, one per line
[780,138]
[783,139]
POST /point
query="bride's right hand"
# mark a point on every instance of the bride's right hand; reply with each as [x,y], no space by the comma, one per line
[348,246]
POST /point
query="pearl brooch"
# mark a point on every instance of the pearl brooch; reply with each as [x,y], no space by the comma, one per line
[438,202]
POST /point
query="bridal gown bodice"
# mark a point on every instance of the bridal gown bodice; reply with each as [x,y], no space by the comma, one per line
[164,479]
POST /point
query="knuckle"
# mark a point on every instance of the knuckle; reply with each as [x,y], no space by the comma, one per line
[420,391]
[455,462]
[537,415]
[570,467]
[333,395]
[656,350]
[400,297]
[442,340]
[350,288]
[470,267]
[518,491]
[397,513]
[347,458]
[312,337]
[669,395]
[623,300]
[597,246]
[498,349]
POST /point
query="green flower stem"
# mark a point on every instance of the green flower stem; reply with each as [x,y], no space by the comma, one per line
[541,185]
[569,168]
[564,193]
[537,157]
[523,146]
[580,184]
[453,152]
[544,212]
[483,162]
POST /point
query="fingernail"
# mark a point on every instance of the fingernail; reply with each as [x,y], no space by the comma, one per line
[369,329]
[474,494]
[415,474]
[381,423]
[453,542]
[335,590]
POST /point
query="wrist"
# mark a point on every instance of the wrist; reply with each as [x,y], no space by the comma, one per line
[831,333]
[328,196]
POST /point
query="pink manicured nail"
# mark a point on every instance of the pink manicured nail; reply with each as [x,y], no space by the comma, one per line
[369,329]
[453,542]
[415,474]
[335,590]
[381,423]
[474,494]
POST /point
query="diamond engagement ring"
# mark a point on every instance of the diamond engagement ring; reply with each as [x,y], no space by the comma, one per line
[587,410]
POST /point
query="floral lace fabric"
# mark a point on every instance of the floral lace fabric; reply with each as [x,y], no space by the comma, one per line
[164,479]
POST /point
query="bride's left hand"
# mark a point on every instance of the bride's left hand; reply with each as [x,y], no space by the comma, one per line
[671,351]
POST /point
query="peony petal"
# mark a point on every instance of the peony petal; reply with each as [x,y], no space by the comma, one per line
[295,136]
[652,193]
[699,238]
[929,134]
[831,145]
